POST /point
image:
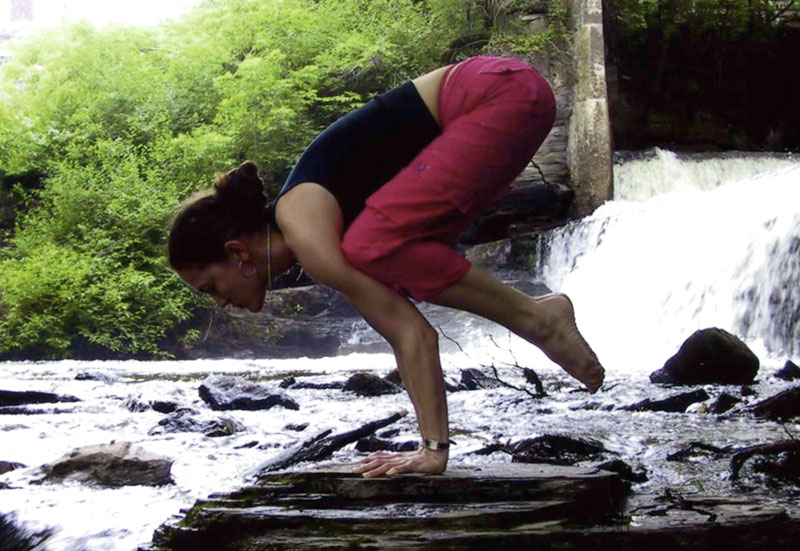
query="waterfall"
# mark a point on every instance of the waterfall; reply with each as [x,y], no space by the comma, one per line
[685,244]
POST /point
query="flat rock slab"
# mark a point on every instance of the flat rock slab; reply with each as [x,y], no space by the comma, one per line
[510,507]
[332,508]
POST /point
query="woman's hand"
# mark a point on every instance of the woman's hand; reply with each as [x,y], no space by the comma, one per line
[390,464]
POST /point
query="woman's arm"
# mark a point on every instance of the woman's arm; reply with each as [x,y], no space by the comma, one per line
[312,231]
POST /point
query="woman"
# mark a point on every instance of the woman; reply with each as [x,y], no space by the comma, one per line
[372,209]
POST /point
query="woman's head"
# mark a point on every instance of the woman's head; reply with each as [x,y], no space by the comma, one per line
[234,207]
[219,240]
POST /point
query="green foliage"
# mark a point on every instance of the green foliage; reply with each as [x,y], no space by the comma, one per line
[111,128]
[511,36]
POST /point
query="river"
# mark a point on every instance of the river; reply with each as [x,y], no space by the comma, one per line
[687,243]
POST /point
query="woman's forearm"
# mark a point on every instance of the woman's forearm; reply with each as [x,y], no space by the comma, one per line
[418,361]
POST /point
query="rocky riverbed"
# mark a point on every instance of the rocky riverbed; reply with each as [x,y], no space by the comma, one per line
[493,424]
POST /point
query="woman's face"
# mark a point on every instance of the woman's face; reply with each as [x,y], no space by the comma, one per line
[227,283]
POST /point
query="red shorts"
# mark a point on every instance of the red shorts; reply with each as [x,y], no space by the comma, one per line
[495,113]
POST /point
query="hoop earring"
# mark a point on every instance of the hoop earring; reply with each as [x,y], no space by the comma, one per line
[247,275]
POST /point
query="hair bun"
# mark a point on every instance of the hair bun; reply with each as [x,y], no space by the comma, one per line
[241,187]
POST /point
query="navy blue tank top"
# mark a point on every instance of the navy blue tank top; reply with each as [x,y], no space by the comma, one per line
[363,150]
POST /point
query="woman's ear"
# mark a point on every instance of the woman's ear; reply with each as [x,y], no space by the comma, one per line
[238,249]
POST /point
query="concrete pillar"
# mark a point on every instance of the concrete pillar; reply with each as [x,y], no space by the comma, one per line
[589,147]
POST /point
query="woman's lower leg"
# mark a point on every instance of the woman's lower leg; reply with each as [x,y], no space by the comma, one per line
[547,322]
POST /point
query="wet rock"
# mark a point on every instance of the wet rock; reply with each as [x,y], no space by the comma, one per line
[300,427]
[698,450]
[474,379]
[15,538]
[308,302]
[164,407]
[748,390]
[110,465]
[335,385]
[556,449]
[673,404]
[625,471]
[321,445]
[8,466]
[784,405]
[374,444]
[225,392]
[95,376]
[779,461]
[508,507]
[187,421]
[291,382]
[722,403]
[135,405]
[394,377]
[4,486]
[246,445]
[15,398]
[789,372]
[709,356]
[367,384]
[490,449]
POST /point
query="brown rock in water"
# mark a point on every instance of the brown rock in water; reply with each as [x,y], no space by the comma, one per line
[789,372]
[366,384]
[225,392]
[7,466]
[673,404]
[556,449]
[17,398]
[784,405]
[709,356]
[110,465]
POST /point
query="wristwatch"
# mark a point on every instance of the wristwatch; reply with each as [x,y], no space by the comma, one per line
[436,445]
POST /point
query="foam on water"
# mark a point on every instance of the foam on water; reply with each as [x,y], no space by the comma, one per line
[643,274]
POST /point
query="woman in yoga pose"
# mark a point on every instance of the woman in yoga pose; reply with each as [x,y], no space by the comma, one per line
[372,209]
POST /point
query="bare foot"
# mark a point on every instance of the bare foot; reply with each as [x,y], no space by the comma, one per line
[559,338]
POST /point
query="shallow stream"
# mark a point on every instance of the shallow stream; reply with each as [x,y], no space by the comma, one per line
[686,244]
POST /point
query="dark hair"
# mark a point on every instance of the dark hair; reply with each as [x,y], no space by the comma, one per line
[235,206]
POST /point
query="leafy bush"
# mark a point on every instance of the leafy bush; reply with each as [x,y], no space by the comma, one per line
[112,127]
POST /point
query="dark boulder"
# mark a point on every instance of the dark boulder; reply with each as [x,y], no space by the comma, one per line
[625,471]
[366,384]
[474,379]
[163,407]
[335,385]
[95,376]
[722,403]
[135,405]
[776,463]
[779,470]
[16,398]
[556,449]
[709,356]
[225,392]
[296,427]
[673,404]
[784,405]
[187,421]
[110,465]
[789,372]
[7,466]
